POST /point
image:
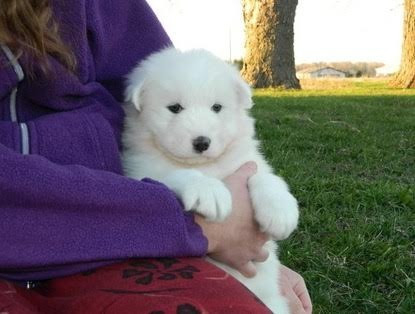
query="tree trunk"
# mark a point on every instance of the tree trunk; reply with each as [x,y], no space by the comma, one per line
[269,46]
[405,78]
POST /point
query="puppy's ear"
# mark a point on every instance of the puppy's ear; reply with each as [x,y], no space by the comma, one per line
[133,93]
[244,94]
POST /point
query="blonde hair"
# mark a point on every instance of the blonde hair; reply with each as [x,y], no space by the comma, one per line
[27,28]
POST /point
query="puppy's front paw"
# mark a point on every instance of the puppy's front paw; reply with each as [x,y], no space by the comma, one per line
[208,197]
[205,195]
[276,209]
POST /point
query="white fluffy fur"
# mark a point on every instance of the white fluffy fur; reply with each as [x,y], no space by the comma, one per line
[158,144]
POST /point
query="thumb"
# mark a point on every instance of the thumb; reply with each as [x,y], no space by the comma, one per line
[247,170]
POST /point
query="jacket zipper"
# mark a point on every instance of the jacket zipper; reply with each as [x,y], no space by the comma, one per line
[24,131]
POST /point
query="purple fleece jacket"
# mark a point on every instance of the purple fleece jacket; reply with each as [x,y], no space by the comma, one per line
[64,205]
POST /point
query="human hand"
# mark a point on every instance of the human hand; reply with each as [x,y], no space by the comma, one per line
[295,291]
[237,241]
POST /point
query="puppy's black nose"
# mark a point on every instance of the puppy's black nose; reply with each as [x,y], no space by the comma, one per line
[201,143]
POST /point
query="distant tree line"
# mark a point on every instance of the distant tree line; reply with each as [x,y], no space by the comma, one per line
[352,69]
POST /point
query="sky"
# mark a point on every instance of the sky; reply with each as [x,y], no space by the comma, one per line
[325,30]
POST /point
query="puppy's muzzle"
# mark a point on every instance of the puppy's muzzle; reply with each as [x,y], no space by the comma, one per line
[201,144]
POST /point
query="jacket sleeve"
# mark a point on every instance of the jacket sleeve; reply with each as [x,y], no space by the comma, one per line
[58,220]
[65,207]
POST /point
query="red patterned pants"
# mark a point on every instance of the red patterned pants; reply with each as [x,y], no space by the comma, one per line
[156,286]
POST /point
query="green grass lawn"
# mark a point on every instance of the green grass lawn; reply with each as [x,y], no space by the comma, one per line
[348,152]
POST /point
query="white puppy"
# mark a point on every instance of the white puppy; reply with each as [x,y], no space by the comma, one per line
[187,126]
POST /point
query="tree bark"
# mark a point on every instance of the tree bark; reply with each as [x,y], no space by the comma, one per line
[405,78]
[269,46]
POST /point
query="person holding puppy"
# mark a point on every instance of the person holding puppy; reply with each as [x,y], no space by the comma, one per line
[65,207]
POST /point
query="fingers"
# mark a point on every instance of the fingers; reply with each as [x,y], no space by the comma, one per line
[295,290]
[248,270]
[301,291]
[262,256]
[295,305]
[294,302]
[262,238]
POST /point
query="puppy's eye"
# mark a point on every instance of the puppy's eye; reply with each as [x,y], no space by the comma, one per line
[176,108]
[216,108]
